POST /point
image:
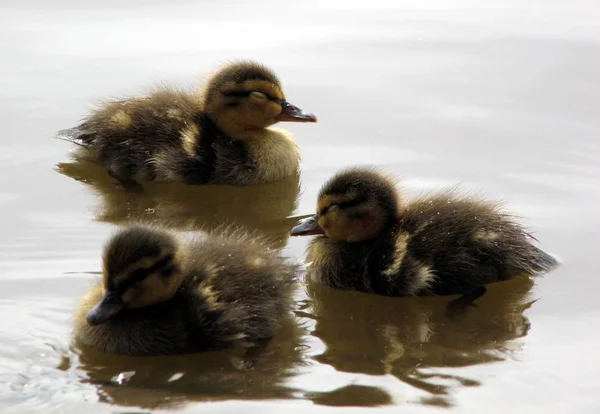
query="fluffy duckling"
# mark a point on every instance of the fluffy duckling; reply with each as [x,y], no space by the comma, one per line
[219,136]
[436,245]
[162,296]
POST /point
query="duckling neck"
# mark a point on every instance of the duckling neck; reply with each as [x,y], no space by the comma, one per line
[231,129]
[355,261]
[269,156]
[246,135]
[263,156]
[383,239]
[274,153]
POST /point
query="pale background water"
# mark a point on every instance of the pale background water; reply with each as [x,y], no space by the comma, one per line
[502,97]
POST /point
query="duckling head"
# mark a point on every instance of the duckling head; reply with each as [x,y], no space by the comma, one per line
[244,98]
[140,269]
[354,206]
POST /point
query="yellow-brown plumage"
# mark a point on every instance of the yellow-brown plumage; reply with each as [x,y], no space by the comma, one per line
[160,295]
[220,136]
[370,240]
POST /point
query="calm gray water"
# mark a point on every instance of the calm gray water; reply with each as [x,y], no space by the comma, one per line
[502,97]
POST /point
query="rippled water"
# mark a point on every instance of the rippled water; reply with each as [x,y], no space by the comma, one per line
[502,97]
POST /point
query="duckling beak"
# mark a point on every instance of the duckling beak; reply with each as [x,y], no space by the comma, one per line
[292,113]
[308,226]
[108,307]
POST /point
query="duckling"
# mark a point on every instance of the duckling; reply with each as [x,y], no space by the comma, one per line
[161,295]
[217,137]
[441,244]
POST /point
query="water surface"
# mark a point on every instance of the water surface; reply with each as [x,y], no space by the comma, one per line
[500,97]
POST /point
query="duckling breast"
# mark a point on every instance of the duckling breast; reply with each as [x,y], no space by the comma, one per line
[274,156]
[337,265]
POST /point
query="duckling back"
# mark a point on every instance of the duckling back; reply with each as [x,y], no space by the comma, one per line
[245,284]
[454,245]
[152,138]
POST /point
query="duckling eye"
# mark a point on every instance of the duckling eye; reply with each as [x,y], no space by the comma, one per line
[331,207]
[258,95]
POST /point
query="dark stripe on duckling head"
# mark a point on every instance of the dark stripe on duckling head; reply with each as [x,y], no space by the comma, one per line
[366,184]
[256,77]
[245,94]
[168,271]
[236,94]
[343,205]
[132,246]
[162,264]
[164,267]
[116,263]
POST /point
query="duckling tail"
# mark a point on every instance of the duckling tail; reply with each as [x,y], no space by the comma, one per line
[543,262]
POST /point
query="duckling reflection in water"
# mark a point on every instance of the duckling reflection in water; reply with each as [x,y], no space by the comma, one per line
[161,296]
[219,137]
[167,382]
[263,209]
[412,338]
[369,240]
